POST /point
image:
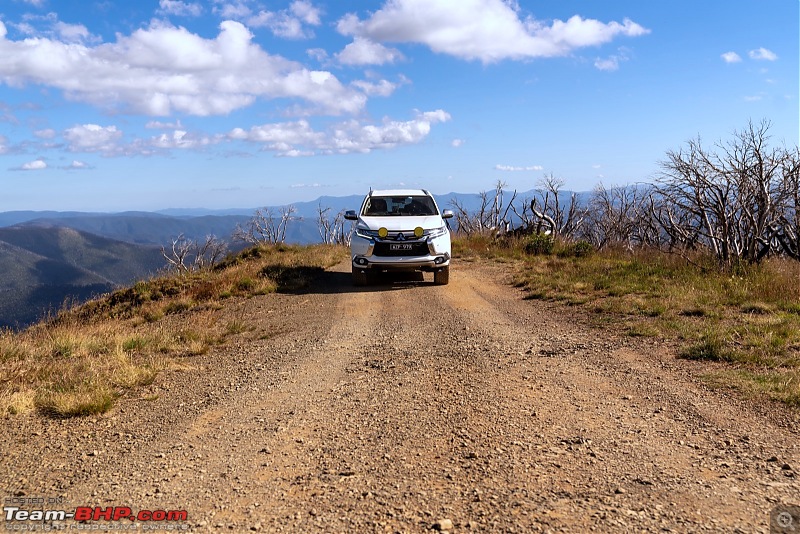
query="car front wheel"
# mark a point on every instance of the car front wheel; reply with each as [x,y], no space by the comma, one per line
[442,276]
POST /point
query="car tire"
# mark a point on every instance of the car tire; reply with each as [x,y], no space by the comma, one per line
[360,278]
[442,276]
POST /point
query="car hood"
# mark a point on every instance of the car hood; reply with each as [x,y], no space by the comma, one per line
[398,223]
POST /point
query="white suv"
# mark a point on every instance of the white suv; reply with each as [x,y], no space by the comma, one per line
[400,230]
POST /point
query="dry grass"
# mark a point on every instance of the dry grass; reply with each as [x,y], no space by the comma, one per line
[748,320]
[80,361]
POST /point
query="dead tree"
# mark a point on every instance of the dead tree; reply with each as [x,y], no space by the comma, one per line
[548,214]
[209,252]
[468,222]
[178,254]
[734,199]
[266,226]
[332,231]
[613,216]
[676,228]
[186,255]
[786,231]
[491,216]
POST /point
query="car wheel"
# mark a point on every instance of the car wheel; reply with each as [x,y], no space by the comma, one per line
[442,277]
[360,277]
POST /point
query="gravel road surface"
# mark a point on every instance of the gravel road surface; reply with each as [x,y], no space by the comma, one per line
[410,407]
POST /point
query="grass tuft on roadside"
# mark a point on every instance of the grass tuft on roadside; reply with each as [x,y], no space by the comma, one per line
[80,361]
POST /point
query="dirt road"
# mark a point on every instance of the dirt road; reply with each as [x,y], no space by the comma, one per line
[408,407]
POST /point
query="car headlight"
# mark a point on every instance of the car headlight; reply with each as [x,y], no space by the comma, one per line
[436,232]
[366,233]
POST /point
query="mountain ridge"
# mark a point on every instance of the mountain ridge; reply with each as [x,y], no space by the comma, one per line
[46,267]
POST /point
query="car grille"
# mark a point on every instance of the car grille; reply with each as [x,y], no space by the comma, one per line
[419,248]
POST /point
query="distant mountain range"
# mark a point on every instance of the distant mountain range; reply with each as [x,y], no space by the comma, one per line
[159,228]
[45,267]
[48,258]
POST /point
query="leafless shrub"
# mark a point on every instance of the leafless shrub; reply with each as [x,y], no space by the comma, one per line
[491,216]
[613,216]
[209,252]
[266,226]
[786,231]
[186,255]
[735,200]
[547,214]
[332,231]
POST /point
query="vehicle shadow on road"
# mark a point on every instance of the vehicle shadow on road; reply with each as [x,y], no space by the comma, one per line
[331,282]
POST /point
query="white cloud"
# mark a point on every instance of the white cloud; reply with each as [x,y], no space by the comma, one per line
[288,23]
[3,144]
[457,143]
[181,139]
[762,54]
[158,125]
[72,33]
[232,10]
[288,132]
[286,139]
[35,165]
[299,138]
[93,138]
[366,52]
[77,166]
[48,26]
[180,9]
[295,154]
[306,12]
[319,54]
[609,64]
[108,140]
[485,30]
[168,70]
[35,3]
[511,168]
[731,57]
[381,88]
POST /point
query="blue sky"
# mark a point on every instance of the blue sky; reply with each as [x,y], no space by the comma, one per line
[112,106]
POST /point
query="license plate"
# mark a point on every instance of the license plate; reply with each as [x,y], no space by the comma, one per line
[400,246]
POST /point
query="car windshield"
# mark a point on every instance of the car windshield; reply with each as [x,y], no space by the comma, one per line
[379,206]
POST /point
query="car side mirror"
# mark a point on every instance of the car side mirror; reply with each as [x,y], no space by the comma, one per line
[447,214]
[350,215]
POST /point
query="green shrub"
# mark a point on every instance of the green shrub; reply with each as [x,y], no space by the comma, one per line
[538,244]
[246,284]
[134,344]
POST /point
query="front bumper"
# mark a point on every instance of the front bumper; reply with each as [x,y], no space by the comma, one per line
[365,255]
[400,263]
